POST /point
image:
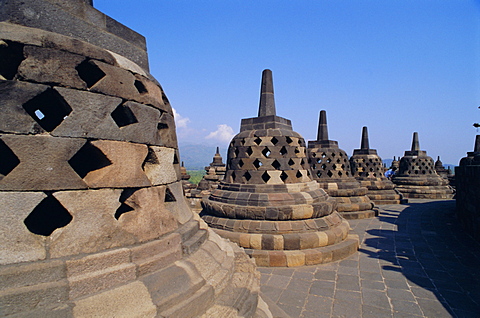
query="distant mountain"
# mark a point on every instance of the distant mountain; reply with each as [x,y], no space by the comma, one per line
[197,157]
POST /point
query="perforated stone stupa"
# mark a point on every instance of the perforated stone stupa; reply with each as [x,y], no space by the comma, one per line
[93,222]
[331,169]
[367,168]
[416,177]
[268,202]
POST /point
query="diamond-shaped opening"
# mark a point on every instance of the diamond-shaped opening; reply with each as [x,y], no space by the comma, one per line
[340,173]
[87,159]
[283,151]
[324,166]
[242,141]
[329,173]
[257,163]
[338,160]
[283,176]
[151,158]
[266,152]
[165,99]
[314,166]
[265,176]
[347,173]
[334,166]
[291,162]
[161,126]
[169,197]
[236,152]
[297,151]
[371,169]
[314,154]
[240,163]
[48,109]
[276,164]
[8,160]
[324,155]
[319,173]
[288,139]
[233,176]
[123,116]
[302,162]
[299,174]
[318,160]
[247,176]
[11,55]
[274,140]
[89,73]
[47,216]
[175,158]
[249,151]
[258,140]
[343,166]
[140,87]
[329,160]
[124,208]
[374,174]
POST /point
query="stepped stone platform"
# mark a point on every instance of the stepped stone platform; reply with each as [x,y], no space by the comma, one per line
[331,169]
[367,168]
[268,203]
[417,177]
[93,220]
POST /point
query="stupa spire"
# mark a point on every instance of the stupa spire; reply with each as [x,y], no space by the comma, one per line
[218,151]
[415,142]
[267,99]
[322,126]
[365,144]
[476,148]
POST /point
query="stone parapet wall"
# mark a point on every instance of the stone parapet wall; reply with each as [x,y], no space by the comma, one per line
[468,198]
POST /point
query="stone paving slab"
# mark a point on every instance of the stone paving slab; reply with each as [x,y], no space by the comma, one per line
[414,261]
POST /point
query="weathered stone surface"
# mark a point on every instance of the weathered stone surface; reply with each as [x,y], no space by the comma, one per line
[125,169]
[116,82]
[145,130]
[166,129]
[179,208]
[159,166]
[149,218]
[32,273]
[13,117]
[51,66]
[43,163]
[131,300]
[154,95]
[17,243]
[90,116]
[93,227]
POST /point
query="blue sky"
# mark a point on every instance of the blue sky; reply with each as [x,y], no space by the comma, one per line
[393,66]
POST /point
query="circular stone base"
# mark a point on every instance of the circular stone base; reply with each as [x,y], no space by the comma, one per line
[359,214]
[313,256]
[385,202]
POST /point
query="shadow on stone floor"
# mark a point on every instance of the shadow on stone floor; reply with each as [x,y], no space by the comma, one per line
[432,251]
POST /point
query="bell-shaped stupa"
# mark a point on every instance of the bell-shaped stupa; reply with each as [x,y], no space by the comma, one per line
[367,168]
[470,160]
[268,202]
[331,169]
[93,221]
[416,177]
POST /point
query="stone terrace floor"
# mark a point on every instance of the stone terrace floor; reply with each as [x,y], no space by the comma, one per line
[414,261]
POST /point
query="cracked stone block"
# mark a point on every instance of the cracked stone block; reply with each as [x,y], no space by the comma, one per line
[13,117]
[43,163]
[159,166]
[149,219]
[116,82]
[93,227]
[125,169]
[17,243]
[90,116]
[46,65]
[131,300]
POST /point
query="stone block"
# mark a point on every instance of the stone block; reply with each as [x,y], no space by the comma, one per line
[149,218]
[153,94]
[13,117]
[94,273]
[179,208]
[125,169]
[145,128]
[116,82]
[154,255]
[131,300]
[295,258]
[51,66]
[17,243]
[32,273]
[277,258]
[93,228]
[278,242]
[91,115]
[159,166]
[256,241]
[43,163]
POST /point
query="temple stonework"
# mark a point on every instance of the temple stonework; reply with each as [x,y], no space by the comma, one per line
[417,178]
[367,168]
[93,221]
[268,202]
[331,169]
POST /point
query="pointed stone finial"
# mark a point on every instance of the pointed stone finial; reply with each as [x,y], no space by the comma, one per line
[415,143]
[218,151]
[322,126]
[477,144]
[182,164]
[394,159]
[267,100]
[365,144]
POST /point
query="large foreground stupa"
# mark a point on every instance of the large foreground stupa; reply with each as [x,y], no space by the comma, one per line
[331,169]
[367,168]
[93,221]
[268,202]
[417,178]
